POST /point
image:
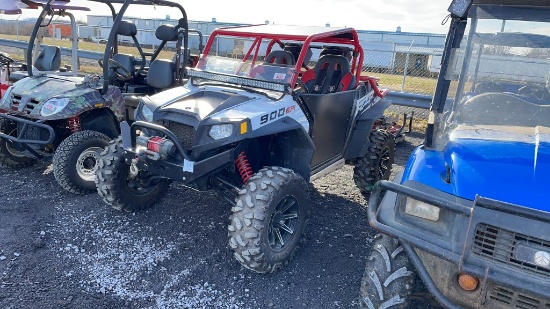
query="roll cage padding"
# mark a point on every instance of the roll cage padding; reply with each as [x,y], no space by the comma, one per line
[331,74]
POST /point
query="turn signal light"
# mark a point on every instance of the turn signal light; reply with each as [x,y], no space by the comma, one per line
[467,282]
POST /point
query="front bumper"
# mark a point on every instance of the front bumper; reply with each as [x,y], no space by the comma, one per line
[186,171]
[491,240]
[29,133]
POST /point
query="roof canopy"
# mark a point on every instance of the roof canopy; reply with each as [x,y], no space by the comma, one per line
[14,6]
[297,33]
[60,5]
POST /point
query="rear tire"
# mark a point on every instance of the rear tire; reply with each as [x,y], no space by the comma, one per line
[388,278]
[268,219]
[117,188]
[75,160]
[377,163]
[10,156]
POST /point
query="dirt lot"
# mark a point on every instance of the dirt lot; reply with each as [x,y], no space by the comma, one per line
[58,250]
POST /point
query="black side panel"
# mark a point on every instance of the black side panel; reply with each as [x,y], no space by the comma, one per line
[359,141]
[282,143]
[331,122]
[292,149]
[101,120]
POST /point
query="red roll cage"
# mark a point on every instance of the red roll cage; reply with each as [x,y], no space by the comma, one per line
[305,35]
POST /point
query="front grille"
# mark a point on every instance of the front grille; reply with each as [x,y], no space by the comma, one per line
[31,104]
[16,104]
[184,133]
[510,248]
[510,299]
[33,132]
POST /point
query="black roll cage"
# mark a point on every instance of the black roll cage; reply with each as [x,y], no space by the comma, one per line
[112,43]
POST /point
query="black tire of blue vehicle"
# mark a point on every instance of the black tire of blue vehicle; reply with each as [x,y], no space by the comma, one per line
[75,160]
[388,278]
[377,163]
[117,188]
[268,219]
[10,156]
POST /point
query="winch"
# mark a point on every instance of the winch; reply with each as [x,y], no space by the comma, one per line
[157,147]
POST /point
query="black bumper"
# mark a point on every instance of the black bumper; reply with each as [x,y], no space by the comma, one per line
[29,128]
[185,171]
[491,240]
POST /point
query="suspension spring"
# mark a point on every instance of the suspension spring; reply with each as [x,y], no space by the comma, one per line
[74,124]
[244,167]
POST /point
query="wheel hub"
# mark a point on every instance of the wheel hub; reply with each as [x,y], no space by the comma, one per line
[86,163]
[283,223]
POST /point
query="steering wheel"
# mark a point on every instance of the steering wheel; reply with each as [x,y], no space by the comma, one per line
[5,59]
[537,92]
[120,71]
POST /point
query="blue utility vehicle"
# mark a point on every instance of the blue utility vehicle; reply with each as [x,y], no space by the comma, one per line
[469,214]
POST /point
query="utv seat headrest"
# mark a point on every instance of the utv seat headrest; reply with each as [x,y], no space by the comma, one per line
[126,28]
[295,49]
[167,33]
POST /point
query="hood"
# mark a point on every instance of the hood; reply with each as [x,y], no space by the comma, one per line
[509,166]
[204,102]
[29,95]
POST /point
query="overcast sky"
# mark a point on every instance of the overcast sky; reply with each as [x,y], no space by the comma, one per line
[386,15]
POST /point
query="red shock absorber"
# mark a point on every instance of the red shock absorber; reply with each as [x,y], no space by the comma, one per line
[74,124]
[244,167]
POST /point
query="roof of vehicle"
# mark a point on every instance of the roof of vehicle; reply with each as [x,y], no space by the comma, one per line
[143,2]
[287,32]
[60,5]
[14,7]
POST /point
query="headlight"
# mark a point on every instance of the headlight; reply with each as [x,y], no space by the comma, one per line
[53,106]
[146,113]
[5,101]
[421,209]
[220,131]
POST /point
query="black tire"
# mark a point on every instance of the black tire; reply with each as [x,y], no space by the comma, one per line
[388,278]
[9,156]
[274,202]
[75,160]
[117,188]
[377,163]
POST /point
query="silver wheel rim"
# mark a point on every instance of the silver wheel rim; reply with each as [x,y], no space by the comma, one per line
[86,163]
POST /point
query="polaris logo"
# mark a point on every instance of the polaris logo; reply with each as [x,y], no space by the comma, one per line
[542,259]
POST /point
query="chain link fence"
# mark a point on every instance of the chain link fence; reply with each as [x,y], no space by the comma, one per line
[403,71]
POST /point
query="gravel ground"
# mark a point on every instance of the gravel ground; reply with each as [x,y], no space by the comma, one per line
[58,250]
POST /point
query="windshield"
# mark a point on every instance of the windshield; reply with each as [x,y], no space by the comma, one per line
[500,74]
[238,57]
